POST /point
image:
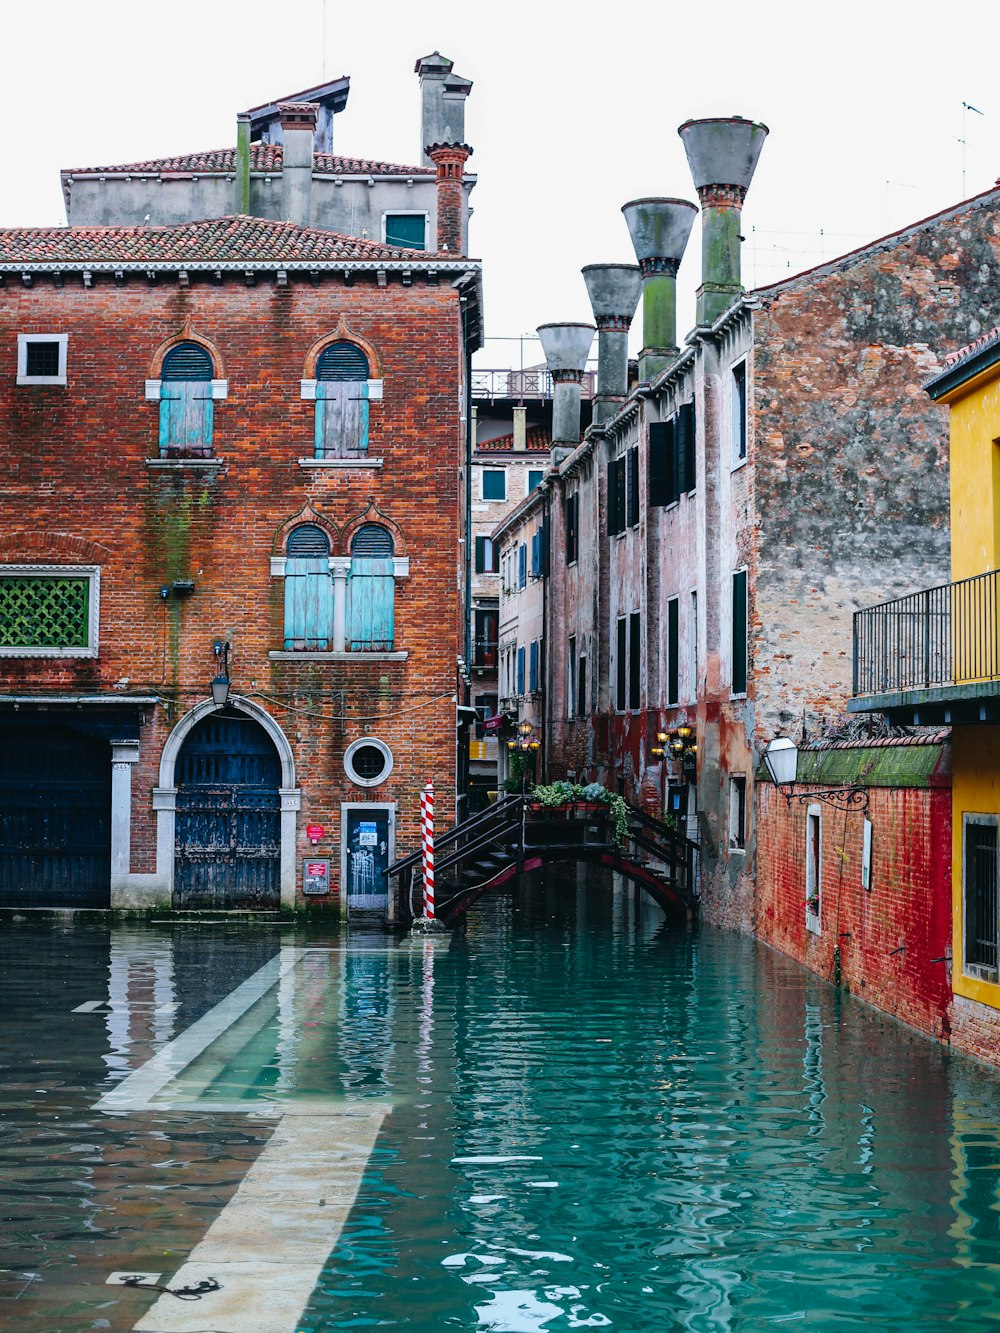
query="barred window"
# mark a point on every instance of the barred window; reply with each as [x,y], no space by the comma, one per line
[48,611]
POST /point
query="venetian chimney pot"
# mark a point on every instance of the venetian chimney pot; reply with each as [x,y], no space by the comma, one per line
[450,160]
[722,154]
[566,348]
[614,294]
[298,132]
[659,229]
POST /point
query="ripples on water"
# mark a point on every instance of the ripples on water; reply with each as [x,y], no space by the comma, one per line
[599,1122]
[650,1129]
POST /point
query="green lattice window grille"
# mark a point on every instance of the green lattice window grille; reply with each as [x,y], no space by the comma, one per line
[45,611]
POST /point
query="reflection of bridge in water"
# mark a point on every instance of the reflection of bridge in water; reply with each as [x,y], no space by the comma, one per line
[516,835]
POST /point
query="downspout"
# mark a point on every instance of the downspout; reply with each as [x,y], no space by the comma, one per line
[543,753]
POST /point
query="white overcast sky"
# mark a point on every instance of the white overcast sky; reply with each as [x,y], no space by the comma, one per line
[574,112]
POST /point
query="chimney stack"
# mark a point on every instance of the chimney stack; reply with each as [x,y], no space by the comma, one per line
[243,163]
[450,160]
[566,347]
[659,229]
[614,294]
[442,102]
[722,154]
[298,129]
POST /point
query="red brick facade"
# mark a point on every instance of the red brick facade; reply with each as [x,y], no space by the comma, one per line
[84,485]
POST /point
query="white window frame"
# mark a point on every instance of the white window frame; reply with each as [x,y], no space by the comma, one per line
[352,772]
[91,572]
[814,920]
[974,971]
[738,830]
[407,213]
[739,433]
[571,661]
[24,341]
[307,390]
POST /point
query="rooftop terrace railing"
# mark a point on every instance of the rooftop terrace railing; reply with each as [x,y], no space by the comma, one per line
[943,636]
[534,384]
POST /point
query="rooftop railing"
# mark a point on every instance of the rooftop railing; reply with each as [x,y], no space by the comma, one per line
[943,636]
[534,384]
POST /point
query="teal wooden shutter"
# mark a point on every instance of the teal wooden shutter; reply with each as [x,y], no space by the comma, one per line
[308,604]
[186,417]
[371,595]
[341,418]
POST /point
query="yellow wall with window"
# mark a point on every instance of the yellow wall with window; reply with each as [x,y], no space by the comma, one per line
[975,474]
[975,791]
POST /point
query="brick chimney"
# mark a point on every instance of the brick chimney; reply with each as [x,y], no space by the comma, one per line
[298,131]
[450,160]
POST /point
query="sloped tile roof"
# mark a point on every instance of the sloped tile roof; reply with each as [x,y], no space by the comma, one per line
[218,240]
[264,157]
[967,353]
[539,440]
[936,737]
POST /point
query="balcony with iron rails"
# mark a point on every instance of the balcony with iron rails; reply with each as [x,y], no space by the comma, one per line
[931,657]
[533,384]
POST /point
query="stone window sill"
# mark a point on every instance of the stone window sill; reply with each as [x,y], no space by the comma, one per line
[279,656]
[182,464]
[340,462]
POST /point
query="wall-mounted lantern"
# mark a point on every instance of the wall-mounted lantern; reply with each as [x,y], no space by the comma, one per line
[781,759]
[220,681]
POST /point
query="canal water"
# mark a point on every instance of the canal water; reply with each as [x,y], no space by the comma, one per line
[588,1119]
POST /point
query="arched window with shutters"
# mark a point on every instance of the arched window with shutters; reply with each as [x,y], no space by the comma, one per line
[186,390]
[342,395]
[371,591]
[308,590]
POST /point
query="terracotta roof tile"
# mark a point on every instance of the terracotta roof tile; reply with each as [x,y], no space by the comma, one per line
[218,240]
[539,440]
[937,737]
[966,353]
[264,157]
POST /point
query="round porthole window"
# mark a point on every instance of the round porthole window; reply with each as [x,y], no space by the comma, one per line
[368,762]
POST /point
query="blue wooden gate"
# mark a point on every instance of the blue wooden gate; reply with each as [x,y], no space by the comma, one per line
[55,819]
[228,842]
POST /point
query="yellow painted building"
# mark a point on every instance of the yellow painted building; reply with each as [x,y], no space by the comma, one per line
[970,386]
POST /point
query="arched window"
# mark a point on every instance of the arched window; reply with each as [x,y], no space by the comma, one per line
[342,401]
[371,591]
[186,393]
[308,590]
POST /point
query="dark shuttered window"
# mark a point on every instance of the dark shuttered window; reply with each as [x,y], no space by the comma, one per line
[740,632]
[572,512]
[621,641]
[661,463]
[633,487]
[673,683]
[634,660]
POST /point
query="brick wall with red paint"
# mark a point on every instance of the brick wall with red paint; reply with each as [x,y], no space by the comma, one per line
[887,936]
[78,489]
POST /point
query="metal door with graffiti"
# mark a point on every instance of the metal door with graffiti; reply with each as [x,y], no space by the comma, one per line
[366,839]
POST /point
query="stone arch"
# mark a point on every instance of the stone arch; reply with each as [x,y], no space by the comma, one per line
[372,514]
[186,335]
[172,748]
[342,333]
[305,515]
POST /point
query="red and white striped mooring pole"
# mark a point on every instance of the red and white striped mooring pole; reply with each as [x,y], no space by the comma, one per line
[427,847]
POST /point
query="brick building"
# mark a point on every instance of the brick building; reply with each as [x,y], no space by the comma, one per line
[762,481]
[235,454]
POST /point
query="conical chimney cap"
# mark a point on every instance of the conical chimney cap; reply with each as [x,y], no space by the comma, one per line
[613,289]
[659,227]
[566,346]
[722,150]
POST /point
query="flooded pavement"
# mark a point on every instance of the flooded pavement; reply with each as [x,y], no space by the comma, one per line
[569,1115]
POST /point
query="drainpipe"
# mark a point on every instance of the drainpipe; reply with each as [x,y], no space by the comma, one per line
[659,229]
[243,163]
[722,154]
[614,294]
[566,348]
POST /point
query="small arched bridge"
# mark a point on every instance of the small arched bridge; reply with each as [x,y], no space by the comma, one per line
[517,835]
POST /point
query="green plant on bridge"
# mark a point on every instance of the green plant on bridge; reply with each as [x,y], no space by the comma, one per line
[564,793]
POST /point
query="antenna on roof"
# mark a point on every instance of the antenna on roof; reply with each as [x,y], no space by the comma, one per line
[966,108]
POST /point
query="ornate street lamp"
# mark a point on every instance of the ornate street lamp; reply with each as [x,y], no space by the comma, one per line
[220,681]
[781,759]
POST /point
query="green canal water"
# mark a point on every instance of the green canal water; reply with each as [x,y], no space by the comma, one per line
[598,1121]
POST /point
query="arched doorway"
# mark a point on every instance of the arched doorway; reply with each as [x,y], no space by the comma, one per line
[55,818]
[227,846]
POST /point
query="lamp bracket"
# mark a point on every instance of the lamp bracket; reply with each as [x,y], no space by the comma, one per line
[841,798]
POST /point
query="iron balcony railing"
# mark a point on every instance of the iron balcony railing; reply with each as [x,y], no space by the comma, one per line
[939,637]
[534,384]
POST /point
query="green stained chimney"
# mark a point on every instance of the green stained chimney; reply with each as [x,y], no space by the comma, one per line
[243,164]
[722,154]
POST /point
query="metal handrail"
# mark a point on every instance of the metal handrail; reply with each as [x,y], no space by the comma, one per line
[459,830]
[946,635]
